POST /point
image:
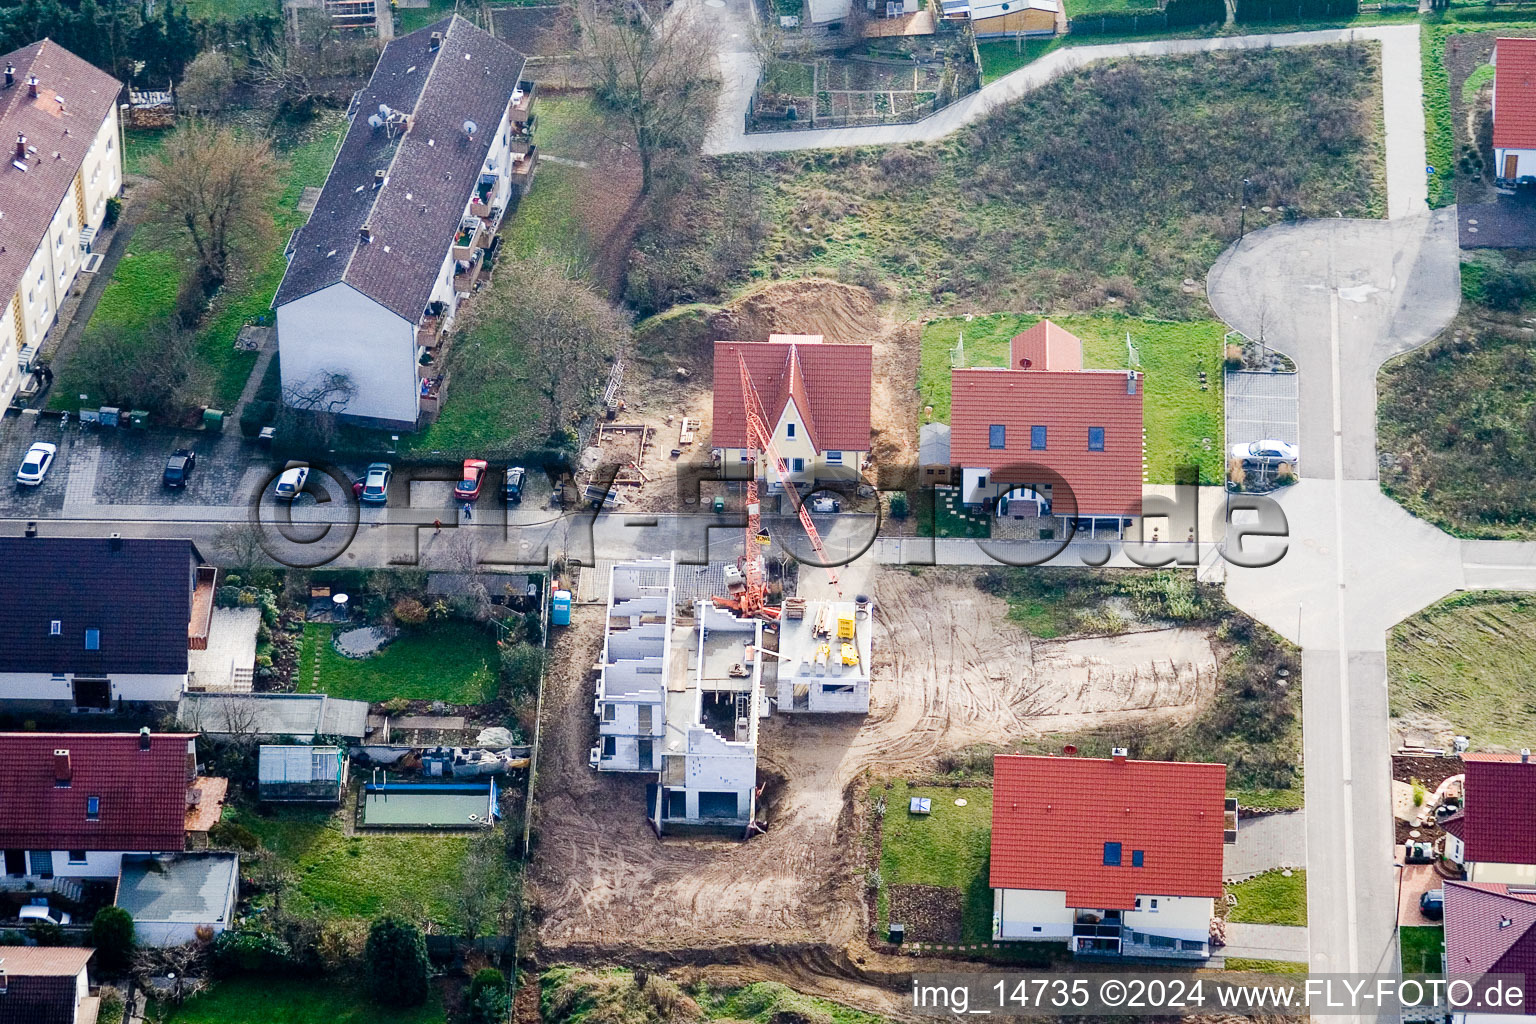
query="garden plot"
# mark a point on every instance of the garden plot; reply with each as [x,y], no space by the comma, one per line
[841,91]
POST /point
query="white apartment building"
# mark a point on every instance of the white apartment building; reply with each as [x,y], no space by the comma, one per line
[58,116]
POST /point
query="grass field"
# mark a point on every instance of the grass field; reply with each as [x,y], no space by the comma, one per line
[419,875]
[293,1001]
[578,995]
[1271,898]
[1468,660]
[450,661]
[1422,949]
[1457,416]
[1029,208]
[231,10]
[1280,799]
[950,847]
[1243,963]
[143,288]
[1179,417]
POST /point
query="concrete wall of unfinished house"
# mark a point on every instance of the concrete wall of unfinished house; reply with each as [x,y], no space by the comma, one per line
[341,330]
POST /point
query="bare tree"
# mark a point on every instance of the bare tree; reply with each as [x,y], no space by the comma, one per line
[184,967]
[136,370]
[464,551]
[207,83]
[239,544]
[217,185]
[559,333]
[652,68]
[240,719]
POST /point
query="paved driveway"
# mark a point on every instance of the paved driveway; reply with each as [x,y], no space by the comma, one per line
[1261,406]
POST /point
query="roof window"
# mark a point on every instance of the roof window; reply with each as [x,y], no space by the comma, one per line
[93,639]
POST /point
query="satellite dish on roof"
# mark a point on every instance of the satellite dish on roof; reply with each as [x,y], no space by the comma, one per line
[470,128]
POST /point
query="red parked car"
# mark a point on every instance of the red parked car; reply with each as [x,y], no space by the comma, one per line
[468,489]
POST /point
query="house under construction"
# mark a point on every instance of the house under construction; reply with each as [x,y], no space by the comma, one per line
[824,652]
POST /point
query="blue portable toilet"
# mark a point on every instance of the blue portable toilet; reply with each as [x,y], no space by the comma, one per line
[560,610]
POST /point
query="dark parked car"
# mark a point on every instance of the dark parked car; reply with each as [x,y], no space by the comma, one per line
[178,467]
[515,477]
[1432,904]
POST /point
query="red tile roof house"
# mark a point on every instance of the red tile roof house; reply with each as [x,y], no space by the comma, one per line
[1490,928]
[1045,428]
[72,804]
[1494,836]
[815,396]
[1111,856]
[46,985]
[1514,110]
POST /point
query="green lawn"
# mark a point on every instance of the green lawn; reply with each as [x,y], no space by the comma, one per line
[409,19]
[1475,81]
[1423,949]
[231,10]
[293,1001]
[950,847]
[451,661]
[1271,898]
[1179,417]
[570,126]
[1243,963]
[140,147]
[790,78]
[143,287]
[1469,660]
[1280,799]
[1002,56]
[419,875]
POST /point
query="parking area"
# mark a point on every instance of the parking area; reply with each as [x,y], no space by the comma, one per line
[1261,406]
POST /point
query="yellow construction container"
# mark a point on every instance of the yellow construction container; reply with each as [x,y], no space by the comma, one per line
[823,653]
[850,654]
[845,627]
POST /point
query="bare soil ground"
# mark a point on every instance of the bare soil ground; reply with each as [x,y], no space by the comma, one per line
[842,314]
[950,671]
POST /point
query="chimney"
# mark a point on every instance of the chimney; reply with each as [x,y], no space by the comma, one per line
[32,86]
[1130,382]
[10,74]
[433,46]
[31,528]
[115,542]
[364,235]
[379,177]
[1525,755]
[62,774]
[21,146]
[144,738]
[1119,755]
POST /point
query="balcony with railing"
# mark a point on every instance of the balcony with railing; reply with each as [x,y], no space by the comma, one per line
[523,166]
[522,104]
[484,196]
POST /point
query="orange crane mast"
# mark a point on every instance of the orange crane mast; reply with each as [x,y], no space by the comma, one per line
[752,599]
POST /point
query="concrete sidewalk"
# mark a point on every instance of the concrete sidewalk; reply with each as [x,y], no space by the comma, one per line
[1265,942]
[1402,100]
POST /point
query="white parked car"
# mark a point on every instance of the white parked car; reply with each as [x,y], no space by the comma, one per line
[35,466]
[42,912]
[291,482]
[1266,451]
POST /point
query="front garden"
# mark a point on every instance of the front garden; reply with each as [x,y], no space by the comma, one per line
[1182,410]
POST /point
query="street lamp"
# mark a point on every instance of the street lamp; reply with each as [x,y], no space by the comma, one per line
[1242,220]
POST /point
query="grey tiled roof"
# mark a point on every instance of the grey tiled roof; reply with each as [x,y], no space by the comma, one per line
[190,887]
[136,593]
[431,169]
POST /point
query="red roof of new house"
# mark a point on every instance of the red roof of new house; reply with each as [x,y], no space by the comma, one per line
[1067,403]
[1045,346]
[1499,819]
[47,780]
[829,384]
[1514,94]
[1488,929]
[1053,817]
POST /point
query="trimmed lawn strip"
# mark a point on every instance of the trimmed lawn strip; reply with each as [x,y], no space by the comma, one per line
[1250,964]
[1279,799]
[451,661]
[1469,660]
[1423,949]
[1178,415]
[1271,898]
[293,1001]
[950,848]
[415,874]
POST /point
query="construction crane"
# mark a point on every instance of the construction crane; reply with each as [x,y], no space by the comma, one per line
[751,597]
